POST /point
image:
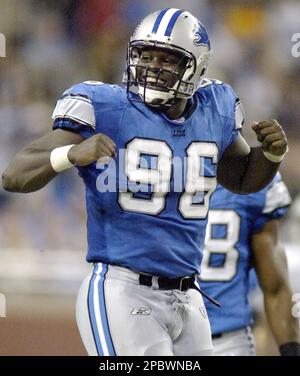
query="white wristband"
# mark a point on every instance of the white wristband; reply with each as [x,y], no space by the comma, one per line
[274,158]
[59,158]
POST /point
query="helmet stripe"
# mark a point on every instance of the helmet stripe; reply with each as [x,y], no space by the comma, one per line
[172,22]
[158,20]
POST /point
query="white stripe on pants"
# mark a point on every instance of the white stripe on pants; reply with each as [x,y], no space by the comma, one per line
[143,320]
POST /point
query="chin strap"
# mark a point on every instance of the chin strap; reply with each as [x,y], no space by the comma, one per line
[151,96]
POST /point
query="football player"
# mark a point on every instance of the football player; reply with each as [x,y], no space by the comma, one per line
[146,244]
[242,234]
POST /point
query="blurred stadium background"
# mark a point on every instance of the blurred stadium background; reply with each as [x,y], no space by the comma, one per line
[53,44]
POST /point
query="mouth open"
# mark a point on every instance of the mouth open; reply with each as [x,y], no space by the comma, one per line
[154,83]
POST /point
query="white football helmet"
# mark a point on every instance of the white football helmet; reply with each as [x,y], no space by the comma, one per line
[170,30]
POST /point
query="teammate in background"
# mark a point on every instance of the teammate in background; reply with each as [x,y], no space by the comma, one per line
[146,244]
[243,233]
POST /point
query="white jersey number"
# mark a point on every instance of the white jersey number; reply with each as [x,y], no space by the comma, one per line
[159,177]
[225,246]
[195,182]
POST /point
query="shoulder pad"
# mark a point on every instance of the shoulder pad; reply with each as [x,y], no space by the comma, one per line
[277,196]
[76,104]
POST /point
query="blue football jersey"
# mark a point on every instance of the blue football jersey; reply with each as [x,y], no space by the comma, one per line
[226,265]
[147,210]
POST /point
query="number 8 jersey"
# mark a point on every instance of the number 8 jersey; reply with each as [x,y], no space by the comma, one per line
[227,261]
[147,210]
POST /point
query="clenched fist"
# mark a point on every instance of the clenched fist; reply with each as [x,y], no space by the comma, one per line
[91,150]
[272,137]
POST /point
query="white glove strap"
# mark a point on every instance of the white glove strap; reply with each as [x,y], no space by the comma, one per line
[275,158]
[59,158]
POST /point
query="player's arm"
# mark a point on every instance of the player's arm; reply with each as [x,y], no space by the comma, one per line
[245,170]
[271,267]
[31,168]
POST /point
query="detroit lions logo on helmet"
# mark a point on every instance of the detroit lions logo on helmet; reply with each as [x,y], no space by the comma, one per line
[201,36]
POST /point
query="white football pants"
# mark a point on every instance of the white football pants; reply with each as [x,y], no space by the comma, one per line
[236,343]
[118,316]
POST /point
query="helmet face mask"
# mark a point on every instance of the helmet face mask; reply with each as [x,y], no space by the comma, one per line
[184,39]
[156,84]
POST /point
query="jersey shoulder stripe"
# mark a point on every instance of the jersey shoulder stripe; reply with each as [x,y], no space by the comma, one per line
[75,107]
[277,197]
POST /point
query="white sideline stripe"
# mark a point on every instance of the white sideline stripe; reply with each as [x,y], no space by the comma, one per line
[2,305]
[97,312]
[75,108]
[164,22]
